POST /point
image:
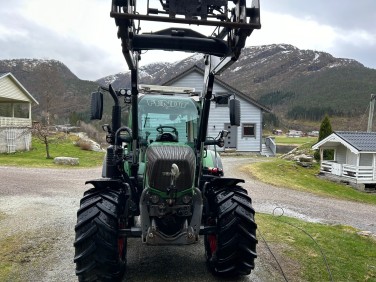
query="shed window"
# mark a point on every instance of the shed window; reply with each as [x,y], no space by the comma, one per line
[249,130]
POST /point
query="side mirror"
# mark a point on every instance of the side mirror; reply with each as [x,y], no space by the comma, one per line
[96,105]
[234,112]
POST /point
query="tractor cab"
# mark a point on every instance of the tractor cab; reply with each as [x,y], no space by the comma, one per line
[168,118]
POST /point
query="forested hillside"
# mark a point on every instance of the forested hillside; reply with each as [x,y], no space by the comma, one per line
[301,86]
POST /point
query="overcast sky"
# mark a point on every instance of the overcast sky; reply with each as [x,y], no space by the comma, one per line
[81,34]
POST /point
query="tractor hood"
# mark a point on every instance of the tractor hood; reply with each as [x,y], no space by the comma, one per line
[170,167]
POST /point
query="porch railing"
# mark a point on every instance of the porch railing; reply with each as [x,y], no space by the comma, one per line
[351,171]
[269,142]
[14,122]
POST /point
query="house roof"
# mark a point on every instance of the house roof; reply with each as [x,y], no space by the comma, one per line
[220,82]
[20,86]
[356,141]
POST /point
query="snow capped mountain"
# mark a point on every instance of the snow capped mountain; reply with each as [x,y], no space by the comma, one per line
[266,63]
[302,78]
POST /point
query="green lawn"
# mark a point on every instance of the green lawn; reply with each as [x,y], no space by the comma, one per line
[350,257]
[290,175]
[36,157]
[284,140]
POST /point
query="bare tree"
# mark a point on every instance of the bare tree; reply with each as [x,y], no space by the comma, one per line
[43,133]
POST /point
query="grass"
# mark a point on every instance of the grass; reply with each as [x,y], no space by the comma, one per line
[290,175]
[284,140]
[36,157]
[22,250]
[350,257]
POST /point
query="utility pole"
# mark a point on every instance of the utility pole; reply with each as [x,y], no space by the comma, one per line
[371,110]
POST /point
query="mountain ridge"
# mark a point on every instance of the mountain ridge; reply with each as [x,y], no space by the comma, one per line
[297,84]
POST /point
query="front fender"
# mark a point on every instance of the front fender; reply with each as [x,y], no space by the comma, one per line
[212,160]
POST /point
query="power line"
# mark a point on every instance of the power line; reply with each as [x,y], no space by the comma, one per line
[267,245]
[309,235]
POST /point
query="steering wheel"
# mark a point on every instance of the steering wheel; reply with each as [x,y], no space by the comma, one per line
[161,128]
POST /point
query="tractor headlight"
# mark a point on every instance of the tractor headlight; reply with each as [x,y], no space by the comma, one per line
[186,199]
[154,199]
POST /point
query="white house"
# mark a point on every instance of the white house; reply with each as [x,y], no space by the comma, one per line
[354,156]
[15,114]
[248,136]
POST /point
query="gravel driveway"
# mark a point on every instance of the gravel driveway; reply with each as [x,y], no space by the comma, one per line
[38,210]
[302,205]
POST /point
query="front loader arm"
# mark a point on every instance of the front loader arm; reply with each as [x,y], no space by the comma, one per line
[232,25]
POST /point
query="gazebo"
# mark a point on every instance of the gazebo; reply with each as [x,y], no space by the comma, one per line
[354,156]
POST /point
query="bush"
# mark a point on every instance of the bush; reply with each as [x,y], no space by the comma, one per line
[92,132]
[84,145]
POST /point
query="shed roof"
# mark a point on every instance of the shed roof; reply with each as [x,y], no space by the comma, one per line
[354,140]
[220,82]
[28,96]
[362,141]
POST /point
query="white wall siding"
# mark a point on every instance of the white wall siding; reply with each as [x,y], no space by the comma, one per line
[220,115]
[250,114]
[352,159]
[341,154]
[9,90]
[366,160]
[194,79]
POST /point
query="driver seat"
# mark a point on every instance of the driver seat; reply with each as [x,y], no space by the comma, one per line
[167,137]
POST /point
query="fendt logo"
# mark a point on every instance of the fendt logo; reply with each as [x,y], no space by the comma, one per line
[167,104]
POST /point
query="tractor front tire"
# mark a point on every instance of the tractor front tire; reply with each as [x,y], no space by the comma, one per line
[231,251]
[100,254]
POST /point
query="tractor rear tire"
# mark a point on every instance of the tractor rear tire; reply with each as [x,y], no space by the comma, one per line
[100,254]
[232,250]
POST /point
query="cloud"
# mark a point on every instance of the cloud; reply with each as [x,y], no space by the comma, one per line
[87,55]
[35,41]
[344,29]
[81,34]
[344,14]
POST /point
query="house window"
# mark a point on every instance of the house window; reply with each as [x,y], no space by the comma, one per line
[249,130]
[221,100]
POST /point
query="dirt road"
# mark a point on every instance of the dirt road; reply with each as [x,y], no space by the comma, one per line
[38,213]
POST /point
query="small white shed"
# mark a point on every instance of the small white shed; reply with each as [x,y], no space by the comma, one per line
[15,114]
[354,156]
[248,136]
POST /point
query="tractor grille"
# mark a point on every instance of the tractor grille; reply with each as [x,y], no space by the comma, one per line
[159,161]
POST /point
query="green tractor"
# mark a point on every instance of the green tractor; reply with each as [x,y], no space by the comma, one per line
[162,178]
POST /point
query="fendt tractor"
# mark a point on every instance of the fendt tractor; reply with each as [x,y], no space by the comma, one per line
[162,178]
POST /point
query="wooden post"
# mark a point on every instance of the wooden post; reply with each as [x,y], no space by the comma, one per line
[321,155]
[371,110]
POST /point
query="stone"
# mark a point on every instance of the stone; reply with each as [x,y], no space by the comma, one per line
[66,161]
[365,233]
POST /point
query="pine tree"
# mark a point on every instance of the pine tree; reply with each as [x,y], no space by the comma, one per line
[325,131]
[325,128]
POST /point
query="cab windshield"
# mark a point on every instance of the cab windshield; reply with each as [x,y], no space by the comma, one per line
[171,111]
